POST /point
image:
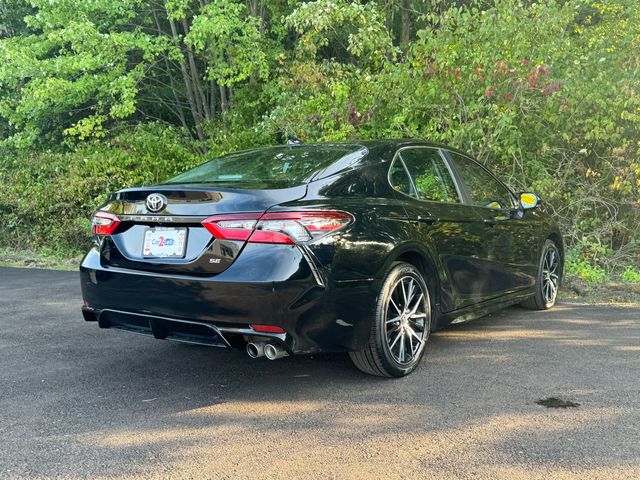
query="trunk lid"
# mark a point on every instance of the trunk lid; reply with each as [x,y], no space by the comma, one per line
[176,212]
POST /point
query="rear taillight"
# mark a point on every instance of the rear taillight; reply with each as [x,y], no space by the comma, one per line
[104,223]
[276,227]
[236,226]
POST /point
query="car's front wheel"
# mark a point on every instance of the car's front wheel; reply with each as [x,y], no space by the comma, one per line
[400,329]
[548,278]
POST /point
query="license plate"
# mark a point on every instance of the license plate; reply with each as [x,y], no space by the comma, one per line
[164,242]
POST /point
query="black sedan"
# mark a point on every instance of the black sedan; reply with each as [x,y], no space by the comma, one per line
[362,248]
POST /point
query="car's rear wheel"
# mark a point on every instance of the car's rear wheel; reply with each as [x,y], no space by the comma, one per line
[400,329]
[548,279]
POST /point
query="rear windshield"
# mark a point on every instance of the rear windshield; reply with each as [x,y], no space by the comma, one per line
[283,166]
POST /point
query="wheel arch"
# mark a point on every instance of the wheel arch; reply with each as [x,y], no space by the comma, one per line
[556,238]
[420,258]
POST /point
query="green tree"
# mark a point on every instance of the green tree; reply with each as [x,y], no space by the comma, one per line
[545,93]
[76,67]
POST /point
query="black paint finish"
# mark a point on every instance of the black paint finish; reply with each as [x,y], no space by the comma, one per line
[322,293]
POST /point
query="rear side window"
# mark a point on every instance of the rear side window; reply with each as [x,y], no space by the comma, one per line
[483,189]
[399,178]
[283,166]
[431,177]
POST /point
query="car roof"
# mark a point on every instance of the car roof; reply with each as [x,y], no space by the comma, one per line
[384,149]
[377,152]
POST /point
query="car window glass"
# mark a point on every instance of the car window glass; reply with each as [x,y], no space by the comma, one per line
[399,178]
[282,166]
[483,189]
[430,175]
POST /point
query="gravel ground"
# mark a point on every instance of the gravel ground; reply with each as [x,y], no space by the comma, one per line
[78,402]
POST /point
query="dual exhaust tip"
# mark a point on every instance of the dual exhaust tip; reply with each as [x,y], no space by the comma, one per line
[269,350]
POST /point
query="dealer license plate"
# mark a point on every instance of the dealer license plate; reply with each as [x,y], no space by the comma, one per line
[160,242]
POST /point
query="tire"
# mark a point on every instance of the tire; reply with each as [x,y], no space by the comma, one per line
[401,325]
[547,279]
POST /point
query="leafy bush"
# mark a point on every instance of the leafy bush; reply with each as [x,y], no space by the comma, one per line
[631,275]
[47,198]
[578,266]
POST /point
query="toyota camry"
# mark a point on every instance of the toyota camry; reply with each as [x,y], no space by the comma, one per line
[363,248]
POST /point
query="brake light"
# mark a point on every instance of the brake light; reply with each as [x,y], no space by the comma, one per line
[104,223]
[291,227]
[237,226]
[267,328]
[276,227]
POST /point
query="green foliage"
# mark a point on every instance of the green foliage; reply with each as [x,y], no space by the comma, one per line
[545,93]
[77,68]
[48,198]
[230,40]
[349,27]
[577,265]
[631,275]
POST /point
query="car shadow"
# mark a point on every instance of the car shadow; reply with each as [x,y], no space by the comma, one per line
[107,402]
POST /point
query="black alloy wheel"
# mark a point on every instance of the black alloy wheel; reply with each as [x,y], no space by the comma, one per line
[401,326]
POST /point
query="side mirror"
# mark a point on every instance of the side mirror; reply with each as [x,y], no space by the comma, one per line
[529,200]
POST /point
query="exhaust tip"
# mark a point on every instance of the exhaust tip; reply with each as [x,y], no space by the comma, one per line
[273,352]
[255,350]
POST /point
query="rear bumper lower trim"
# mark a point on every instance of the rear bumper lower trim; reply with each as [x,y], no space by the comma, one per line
[186,331]
[175,329]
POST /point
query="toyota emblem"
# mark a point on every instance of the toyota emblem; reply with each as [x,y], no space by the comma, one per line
[156,202]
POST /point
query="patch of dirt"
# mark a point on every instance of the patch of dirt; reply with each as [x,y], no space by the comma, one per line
[574,288]
[34,260]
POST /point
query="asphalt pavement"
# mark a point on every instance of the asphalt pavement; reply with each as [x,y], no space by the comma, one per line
[80,402]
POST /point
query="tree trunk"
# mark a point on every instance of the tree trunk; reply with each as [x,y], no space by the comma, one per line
[195,76]
[405,32]
[223,99]
[253,7]
[186,77]
[172,83]
[212,98]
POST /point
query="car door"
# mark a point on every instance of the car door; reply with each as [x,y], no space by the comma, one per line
[509,246]
[450,229]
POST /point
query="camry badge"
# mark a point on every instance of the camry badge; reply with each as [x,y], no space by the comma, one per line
[156,202]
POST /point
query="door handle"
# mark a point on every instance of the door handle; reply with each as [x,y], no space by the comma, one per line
[490,222]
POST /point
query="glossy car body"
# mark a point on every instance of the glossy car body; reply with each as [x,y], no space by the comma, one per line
[322,293]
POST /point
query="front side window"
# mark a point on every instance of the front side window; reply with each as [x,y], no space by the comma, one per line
[430,175]
[484,190]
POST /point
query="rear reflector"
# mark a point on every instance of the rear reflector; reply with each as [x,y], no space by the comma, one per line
[276,227]
[267,329]
[104,223]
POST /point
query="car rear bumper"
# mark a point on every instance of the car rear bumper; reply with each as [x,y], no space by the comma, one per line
[316,313]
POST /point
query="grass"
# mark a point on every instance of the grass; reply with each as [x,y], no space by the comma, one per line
[30,259]
[605,291]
